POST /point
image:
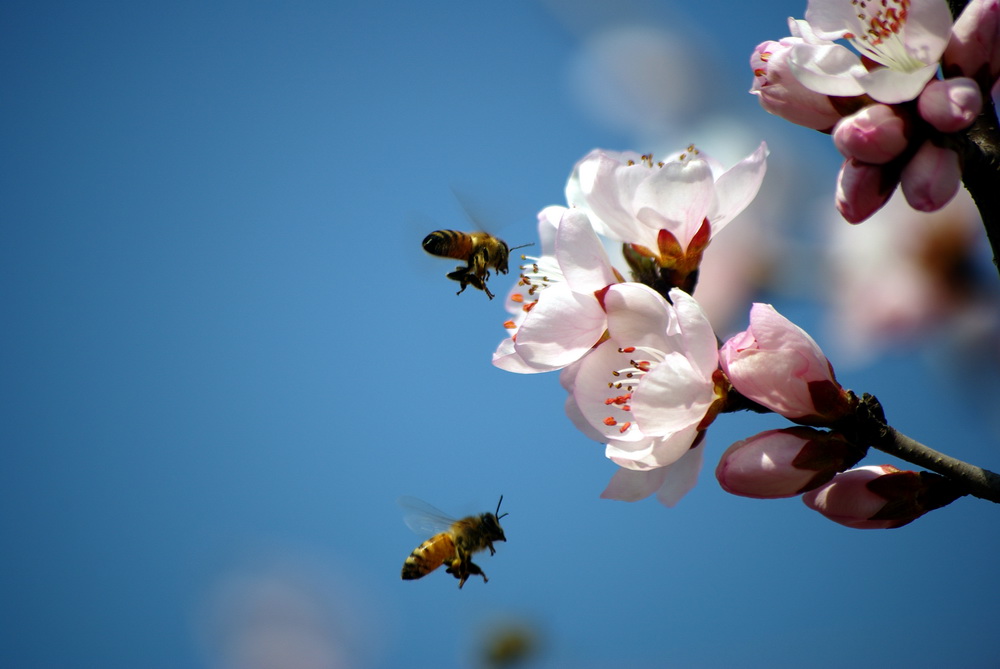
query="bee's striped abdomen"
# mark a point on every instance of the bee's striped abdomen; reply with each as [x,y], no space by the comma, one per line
[428,556]
[450,244]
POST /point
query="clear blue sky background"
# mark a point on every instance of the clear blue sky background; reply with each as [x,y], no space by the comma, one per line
[224,356]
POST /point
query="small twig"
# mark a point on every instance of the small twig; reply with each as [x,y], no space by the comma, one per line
[872,429]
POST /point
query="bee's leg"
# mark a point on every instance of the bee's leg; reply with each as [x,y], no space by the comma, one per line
[473,568]
[489,544]
[461,274]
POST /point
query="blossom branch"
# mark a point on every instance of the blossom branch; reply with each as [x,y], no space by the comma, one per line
[871,428]
[981,171]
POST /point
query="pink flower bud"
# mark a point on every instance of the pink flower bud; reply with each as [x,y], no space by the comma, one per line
[876,134]
[880,497]
[784,463]
[776,364]
[781,94]
[863,188]
[950,105]
[974,48]
[931,178]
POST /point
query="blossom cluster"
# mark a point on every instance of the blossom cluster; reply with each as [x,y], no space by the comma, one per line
[891,114]
[642,366]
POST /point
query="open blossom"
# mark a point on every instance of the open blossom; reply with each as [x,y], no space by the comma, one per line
[784,463]
[902,42]
[880,497]
[560,316]
[781,94]
[778,365]
[667,210]
[650,388]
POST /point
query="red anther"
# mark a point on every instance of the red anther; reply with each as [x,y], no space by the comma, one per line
[627,349]
[624,427]
[609,421]
[517,297]
[509,325]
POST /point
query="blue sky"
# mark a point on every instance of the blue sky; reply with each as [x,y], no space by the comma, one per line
[224,355]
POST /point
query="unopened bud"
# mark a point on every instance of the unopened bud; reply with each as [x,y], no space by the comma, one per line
[784,463]
[950,105]
[876,134]
[880,497]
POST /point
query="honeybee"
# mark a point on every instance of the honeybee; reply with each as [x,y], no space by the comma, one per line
[453,543]
[479,250]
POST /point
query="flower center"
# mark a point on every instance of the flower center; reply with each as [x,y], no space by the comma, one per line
[625,379]
[880,23]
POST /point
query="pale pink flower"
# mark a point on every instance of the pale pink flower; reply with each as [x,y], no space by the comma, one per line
[905,276]
[563,317]
[781,94]
[876,134]
[902,40]
[670,483]
[778,365]
[650,388]
[931,178]
[784,463]
[635,199]
[863,188]
[974,49]
[880,497]
[950,105]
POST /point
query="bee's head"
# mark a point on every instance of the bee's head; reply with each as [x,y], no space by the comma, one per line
[491,523]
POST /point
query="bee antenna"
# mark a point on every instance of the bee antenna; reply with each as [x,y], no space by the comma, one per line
[521,246]
[498,509]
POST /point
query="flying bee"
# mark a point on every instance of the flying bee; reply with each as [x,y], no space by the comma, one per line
[479,250]
[454,541]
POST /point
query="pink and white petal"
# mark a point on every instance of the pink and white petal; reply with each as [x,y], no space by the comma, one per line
[580,421]
[560,328]
[831,69]
[672,397]
[630,485]
[637,315]
[680,191]
[737,187]
[892,86]
[597,181]
[772,378]
[637,455]
[697,336]
[582,258]
[548,224]
[927,30]
[681,477]
[810,35]
[825,17]
[506,358]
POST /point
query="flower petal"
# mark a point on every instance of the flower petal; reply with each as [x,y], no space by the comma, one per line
[737,187]
[560,328]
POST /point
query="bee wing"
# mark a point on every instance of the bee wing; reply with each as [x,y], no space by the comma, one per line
[422,517]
